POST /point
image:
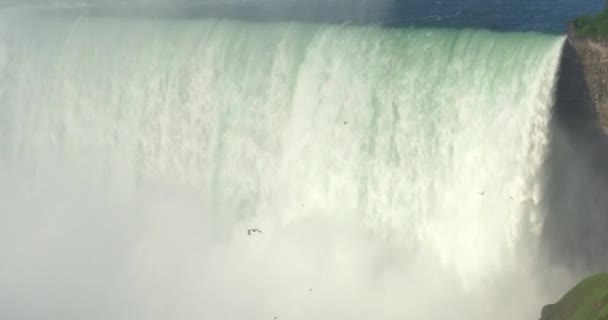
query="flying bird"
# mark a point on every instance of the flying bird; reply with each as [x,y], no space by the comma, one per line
[249,231]
[481,193]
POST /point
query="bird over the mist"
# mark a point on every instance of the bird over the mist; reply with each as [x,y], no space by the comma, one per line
[249,231]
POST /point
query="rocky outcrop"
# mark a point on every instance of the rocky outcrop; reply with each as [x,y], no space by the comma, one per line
[576,170]
[584,75]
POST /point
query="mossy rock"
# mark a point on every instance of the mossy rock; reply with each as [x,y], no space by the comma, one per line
[587,301]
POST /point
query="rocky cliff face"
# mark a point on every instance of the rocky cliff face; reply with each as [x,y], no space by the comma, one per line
[576,170]
[584,78]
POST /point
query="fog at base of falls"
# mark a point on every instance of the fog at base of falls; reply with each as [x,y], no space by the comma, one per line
[73,250]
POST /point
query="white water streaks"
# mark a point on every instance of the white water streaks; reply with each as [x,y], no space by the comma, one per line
[135,154]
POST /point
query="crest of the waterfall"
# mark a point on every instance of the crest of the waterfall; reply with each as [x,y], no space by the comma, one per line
[367,156]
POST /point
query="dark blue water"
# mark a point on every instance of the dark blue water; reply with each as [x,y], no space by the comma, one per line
[520,15]
[549,16]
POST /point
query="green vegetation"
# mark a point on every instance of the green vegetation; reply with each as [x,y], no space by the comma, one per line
[587,301]
[592,26]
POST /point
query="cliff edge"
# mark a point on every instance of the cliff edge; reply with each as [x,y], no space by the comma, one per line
[584,77]
[574,233]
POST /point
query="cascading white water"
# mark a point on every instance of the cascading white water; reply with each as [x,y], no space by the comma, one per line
[359,151]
